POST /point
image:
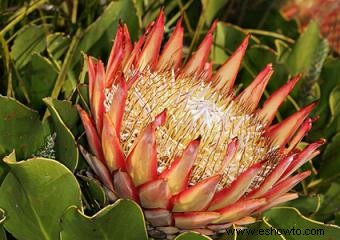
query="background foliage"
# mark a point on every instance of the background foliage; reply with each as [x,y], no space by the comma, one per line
[42,46]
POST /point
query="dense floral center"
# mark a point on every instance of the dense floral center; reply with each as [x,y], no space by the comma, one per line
[195,109]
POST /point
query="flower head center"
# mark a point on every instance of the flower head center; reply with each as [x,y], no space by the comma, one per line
[194,109]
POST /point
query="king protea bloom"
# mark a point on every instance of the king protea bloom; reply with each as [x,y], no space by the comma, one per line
[174,138]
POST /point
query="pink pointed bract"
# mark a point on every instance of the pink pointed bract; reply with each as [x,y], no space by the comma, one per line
[174,138]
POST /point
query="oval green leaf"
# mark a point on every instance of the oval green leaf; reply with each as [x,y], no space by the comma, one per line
[260,230]
[299,226]
[330,203]
[39,76]
[20,129]
[122,220]
[68,114]
[307,57]
[34,196]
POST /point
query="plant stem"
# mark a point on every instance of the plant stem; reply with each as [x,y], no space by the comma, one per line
[304,185]
[65,67]
[10,68]
[74,11]
[7,64]
[177,15]
[185,16]
[270,34]
[295,104]
[197,33]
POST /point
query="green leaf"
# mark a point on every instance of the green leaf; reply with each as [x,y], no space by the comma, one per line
[68,114]
[326,124]
[337,218]
[122,220]
[286,218]
[115,11]
[305,50]
[34,196]
[139,6]
[83,92]
[95,190]
[2,231]
[307,57]
[330,164]
[20,129]
[211,8]
[330,204]
[227,39]
[4,169]
[334,105]
[66,146]
[57,44]
[30,40]
[191,236]
[307,205]
[2,216]
[39,76]
[255,231]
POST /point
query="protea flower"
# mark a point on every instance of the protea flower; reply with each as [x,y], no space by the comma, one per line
[174,138]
